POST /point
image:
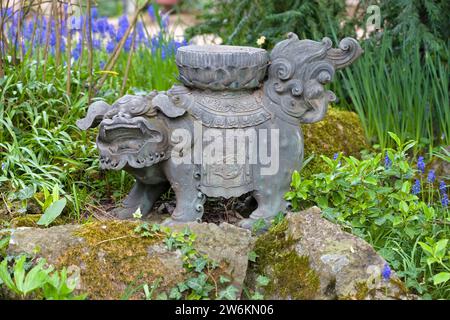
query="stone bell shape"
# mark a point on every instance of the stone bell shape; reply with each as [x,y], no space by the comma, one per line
[240,110]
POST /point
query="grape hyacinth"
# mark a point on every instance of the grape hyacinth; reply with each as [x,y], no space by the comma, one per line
[386,272]
[421,164]
[416,187]
[431,176]
[105,37]
[444,195]
[387,161]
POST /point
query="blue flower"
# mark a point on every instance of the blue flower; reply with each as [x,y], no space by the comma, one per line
[336,155]
[442,187]
[151,12]
[416,187]
[421,164]
[76,52]
[387,161]
[165,21]
[101,25]
[386,272]
[431,176]
[110,47]
[102,64]
[444,200]
[3,166]
[94,13]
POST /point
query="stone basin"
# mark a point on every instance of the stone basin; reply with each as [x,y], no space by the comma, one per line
[222,67]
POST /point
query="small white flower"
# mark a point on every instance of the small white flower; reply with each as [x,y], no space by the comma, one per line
[137,214]
[261,41]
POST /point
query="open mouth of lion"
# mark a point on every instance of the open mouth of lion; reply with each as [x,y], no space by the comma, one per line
[126,138]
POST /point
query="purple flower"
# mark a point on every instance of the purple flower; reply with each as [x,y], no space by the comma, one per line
[421,164]
[102,64]
[96,44]
[442,187]
[386,272]
[101,25]
[94,13]
[165,21]
[431,176]
[140,32]
[76,52]
[110,47]
[151,12]
[416,187]
[387,161]
[444,200]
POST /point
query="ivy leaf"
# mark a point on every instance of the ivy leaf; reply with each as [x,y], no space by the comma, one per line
[252,255]
[229,293]
[262,281]
[175,294]
[223,279]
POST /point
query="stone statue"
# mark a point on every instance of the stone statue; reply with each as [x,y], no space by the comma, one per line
[232,128]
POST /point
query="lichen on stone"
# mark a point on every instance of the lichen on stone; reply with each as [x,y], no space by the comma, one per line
[290,274]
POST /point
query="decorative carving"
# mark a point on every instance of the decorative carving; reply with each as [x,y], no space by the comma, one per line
[228,110]
[222,67]
[298,72]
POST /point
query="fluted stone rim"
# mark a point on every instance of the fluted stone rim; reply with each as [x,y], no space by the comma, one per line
[221,67]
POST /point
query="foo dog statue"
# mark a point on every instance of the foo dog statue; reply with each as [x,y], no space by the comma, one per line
[212,136]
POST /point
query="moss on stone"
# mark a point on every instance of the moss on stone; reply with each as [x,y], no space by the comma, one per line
[339,131]
[111,258]
[30,220]
[290,274]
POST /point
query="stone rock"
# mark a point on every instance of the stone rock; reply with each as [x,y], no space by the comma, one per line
[112,260]
[329,263]
[339,131]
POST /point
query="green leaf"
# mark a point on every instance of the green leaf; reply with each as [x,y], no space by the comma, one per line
[223,279]
[426,248]
[262,281]
[36,277]
[403,206]
[440,248]
[441,277]
[19,273]
[52,212]
[175,294]
[229,293]
[252,256]
[6,277]
[395,138]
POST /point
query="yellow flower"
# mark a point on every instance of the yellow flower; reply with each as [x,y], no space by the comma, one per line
[261,41]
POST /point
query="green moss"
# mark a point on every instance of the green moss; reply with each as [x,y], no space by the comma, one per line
[111,257]
[340,131]
[290,274]
[30,220]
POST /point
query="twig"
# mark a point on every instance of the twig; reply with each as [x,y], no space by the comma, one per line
[90,58]
[127,69]
[69,47]
[115,55]
[47,41]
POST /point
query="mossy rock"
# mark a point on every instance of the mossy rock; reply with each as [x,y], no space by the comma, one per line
[114,262]
[339,131]
[30,220]
[308,257]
